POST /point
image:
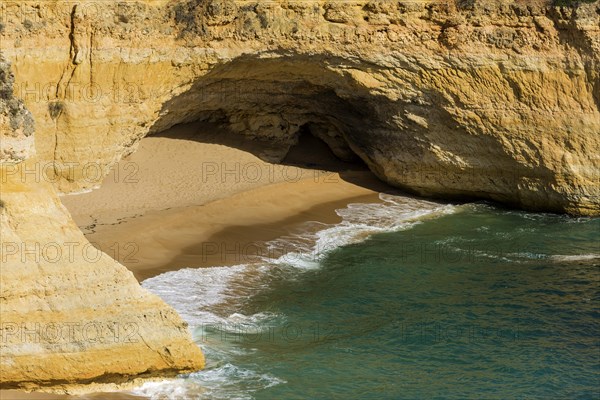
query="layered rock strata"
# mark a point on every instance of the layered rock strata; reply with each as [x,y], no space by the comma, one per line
[480,99]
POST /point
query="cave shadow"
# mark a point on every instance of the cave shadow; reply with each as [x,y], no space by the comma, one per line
[251,102]
[310,153]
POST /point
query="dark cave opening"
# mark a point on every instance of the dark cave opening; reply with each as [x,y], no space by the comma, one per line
[291,110]
[310,152]
[313,152]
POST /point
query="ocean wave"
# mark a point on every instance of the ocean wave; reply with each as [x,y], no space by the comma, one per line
[168,389]
[223,382]
[198,294]
[359,222]
[194,292]
[576,257]
[255,323]
[528,255]
[209,299]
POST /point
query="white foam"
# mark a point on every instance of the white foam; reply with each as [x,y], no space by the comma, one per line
[224,382]
[359,222]
[529,255]
[192,291]
[170,389]
[577,257]
[232,382]
[259,322]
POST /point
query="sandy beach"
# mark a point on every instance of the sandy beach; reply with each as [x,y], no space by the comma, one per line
[216,204]
[195,196]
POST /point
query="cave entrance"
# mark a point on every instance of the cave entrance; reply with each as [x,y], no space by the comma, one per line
[313,152]
[296,110]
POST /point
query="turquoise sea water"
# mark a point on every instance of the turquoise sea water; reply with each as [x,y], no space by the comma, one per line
[403,300]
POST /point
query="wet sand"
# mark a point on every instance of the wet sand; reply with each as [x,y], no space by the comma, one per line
[196,202]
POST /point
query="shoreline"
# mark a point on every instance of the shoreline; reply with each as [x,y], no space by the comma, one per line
[159,223]
[21,395]
[222,233]
[182,226]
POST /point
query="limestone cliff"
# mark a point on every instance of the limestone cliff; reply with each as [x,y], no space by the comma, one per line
[70,315]
[486,99]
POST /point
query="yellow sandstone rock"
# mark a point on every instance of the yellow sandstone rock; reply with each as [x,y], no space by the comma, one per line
[70,315]
[472,99]
[479,99]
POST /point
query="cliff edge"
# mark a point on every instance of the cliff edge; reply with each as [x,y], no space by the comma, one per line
[70,315]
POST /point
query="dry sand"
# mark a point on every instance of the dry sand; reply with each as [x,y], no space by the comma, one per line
[197,196]
[196,164]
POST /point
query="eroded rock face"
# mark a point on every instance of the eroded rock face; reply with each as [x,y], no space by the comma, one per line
[484,99]
[487,99]
[70,315]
